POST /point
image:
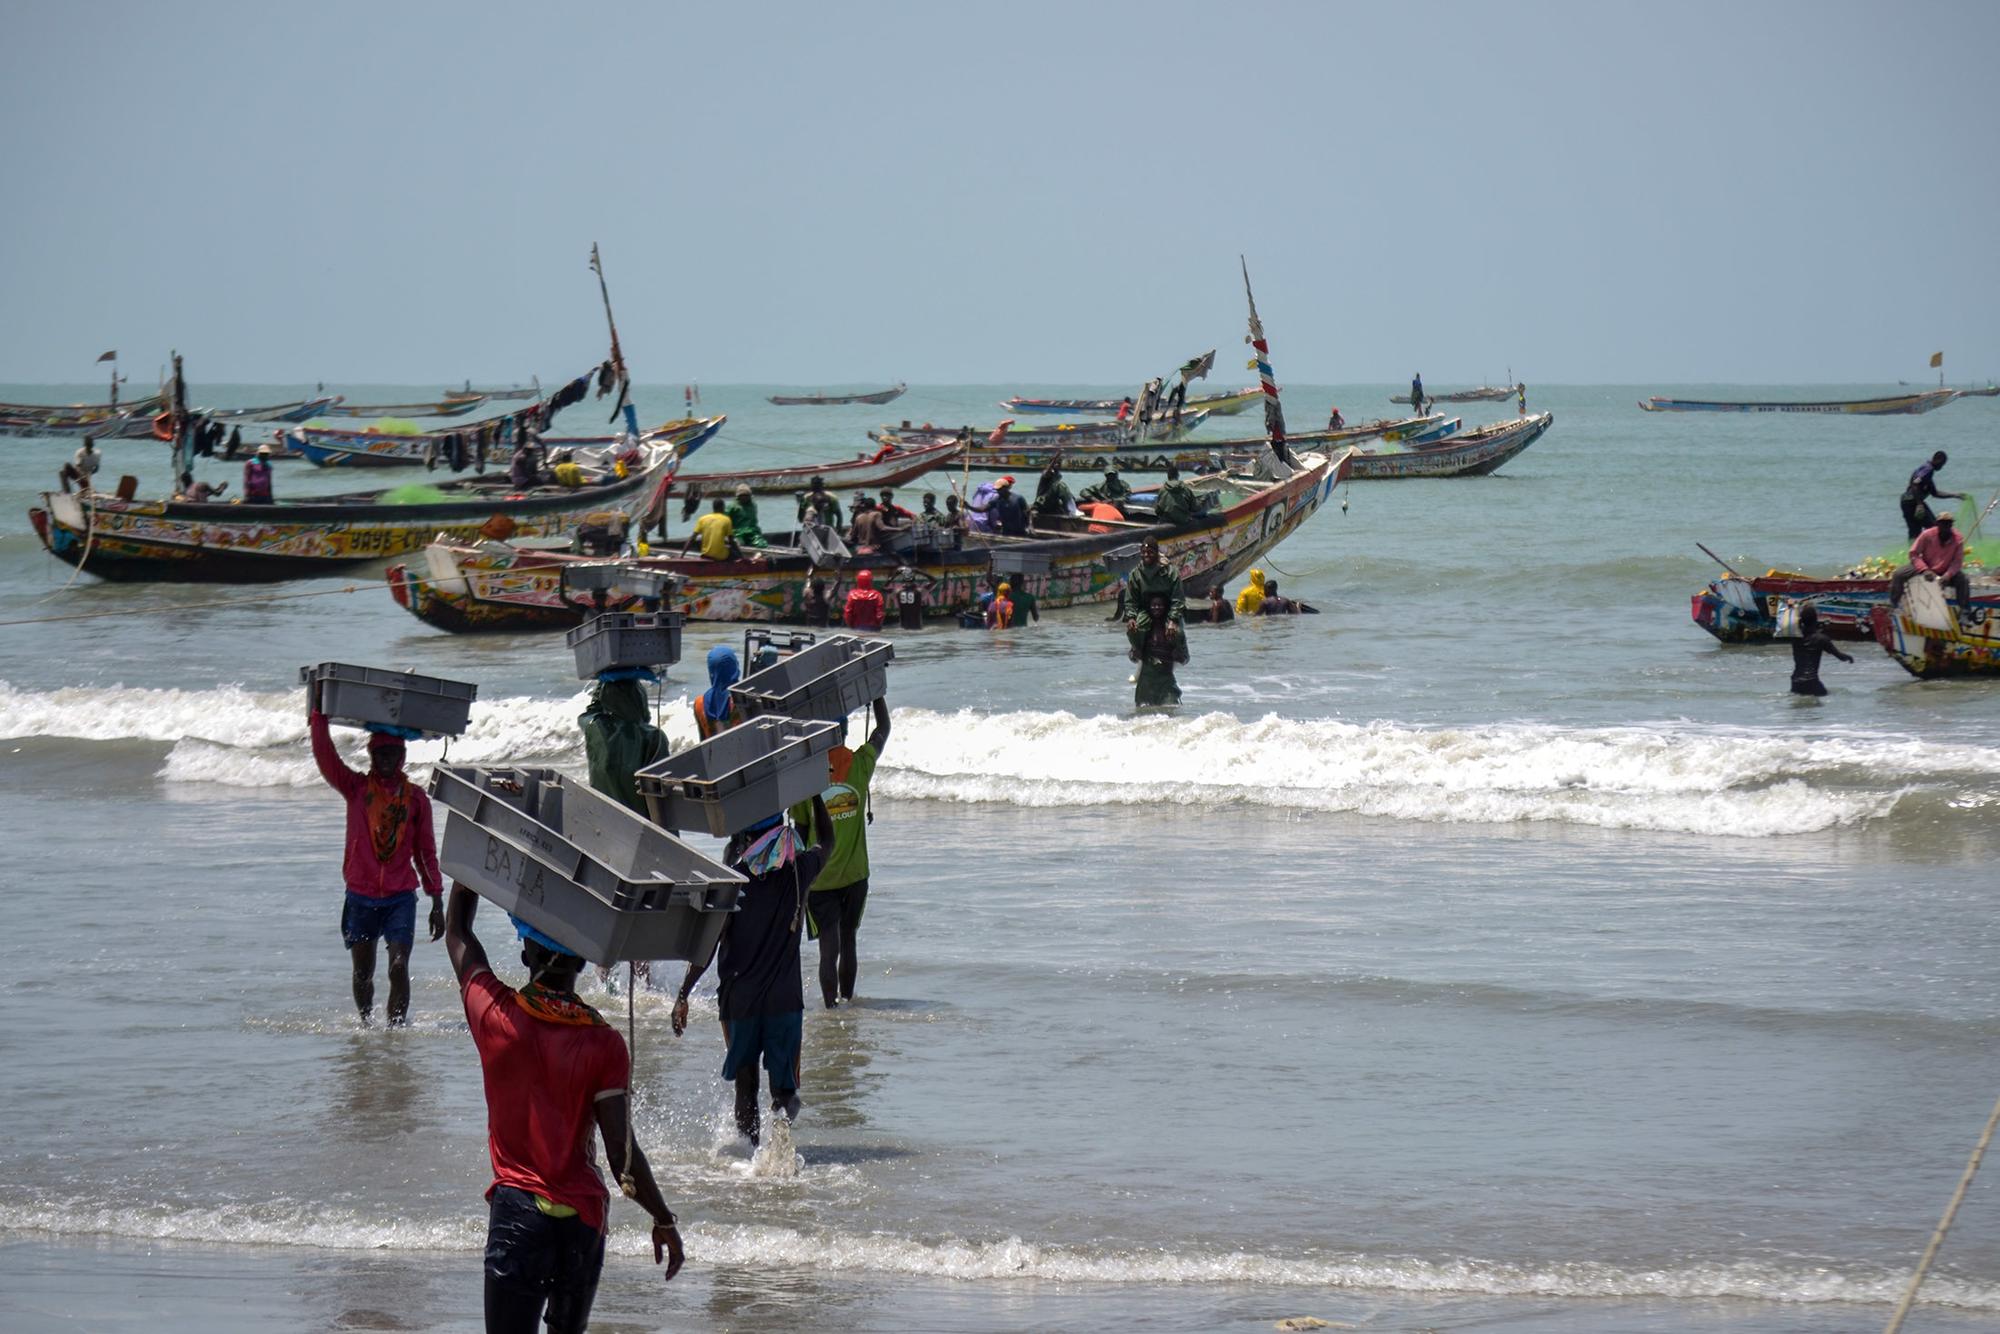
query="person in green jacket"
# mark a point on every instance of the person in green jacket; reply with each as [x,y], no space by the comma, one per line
[1176,504]
[1111,491]
[1052,497]
[1154,576]
[840,891]
[1157,649]
[742,513]
[619,738]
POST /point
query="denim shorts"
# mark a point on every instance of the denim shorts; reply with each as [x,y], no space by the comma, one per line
[393,919]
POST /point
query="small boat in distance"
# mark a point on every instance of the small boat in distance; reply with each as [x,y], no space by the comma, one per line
[1224,404]
[497,395]
[1904,404]
[827,400]
[1485,393]
[451,407]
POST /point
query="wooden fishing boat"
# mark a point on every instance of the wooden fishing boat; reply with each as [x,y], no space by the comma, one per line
[237,543]
[1938,641]
[302,410]
[454,407]
[887,466]
[496,395]
[878,396]
[1224,404]
[81,411]
[1984,391]
[465,587]
[121,426]
[1750,610]
[1463,454]
[1085,455]
[1485,393]
[331,447]
[1923,401]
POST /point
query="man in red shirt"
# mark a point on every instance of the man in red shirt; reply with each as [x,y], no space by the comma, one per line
[1938,553]
[389,849]
[552,1069]
[863,610]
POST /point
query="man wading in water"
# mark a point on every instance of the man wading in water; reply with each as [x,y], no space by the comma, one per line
[838,895]
[389,849]
[552,1067]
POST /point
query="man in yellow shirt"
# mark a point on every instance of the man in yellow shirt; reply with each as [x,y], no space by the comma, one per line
[716,534]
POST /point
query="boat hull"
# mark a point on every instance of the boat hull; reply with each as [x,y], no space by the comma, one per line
[886,467]
[1970,649]
[1900,404]
[1484,394]
[1748,614]
[1473,454]
[1219,405]
[878,397]
[325,448]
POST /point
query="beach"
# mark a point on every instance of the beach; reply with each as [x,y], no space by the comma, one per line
[1493,950]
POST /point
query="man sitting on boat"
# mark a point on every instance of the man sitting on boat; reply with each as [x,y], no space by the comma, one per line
[1177,503]
[1334,421]
[1938,554]
[716,534]
[523,472]
[82,467]
[1920,492]
[199,493]
[743,517]
[818,500]
[1111,491]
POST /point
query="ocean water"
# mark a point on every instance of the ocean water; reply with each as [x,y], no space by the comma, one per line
[1492,950]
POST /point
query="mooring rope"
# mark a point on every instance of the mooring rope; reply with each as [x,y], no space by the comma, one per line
[1944,1224]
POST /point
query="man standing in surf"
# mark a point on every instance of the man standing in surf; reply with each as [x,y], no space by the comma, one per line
[840,891]
[390,849]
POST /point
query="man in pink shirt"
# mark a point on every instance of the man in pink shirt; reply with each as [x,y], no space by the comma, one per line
[1938,553]
[390,848]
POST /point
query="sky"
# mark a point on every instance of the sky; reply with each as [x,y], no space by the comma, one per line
[1004,193]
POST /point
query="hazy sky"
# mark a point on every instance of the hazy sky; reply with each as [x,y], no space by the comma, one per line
[1008,192]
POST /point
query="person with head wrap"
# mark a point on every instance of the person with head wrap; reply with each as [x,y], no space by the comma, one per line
[1154,575]
[863,609]
[1111,491]
[1000,611]
[715,709]
[1052,497]
[1157,645]
[390,850]
[1177,503]
[619,737]
[742,512]
[1251,600]
[553,1070]
[760,999]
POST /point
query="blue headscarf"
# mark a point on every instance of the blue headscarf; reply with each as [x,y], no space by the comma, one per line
[526,932]
[723,672]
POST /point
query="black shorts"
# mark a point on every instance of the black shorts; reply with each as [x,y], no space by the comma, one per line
[848,901]
[536,1256]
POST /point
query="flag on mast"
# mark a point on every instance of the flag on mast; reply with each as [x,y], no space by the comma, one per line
[1198,368]
[1274,415]
[617,354]
[1937,359]
[110,356]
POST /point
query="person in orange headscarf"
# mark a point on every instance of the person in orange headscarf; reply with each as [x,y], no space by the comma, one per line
[1000,611]
[863,609]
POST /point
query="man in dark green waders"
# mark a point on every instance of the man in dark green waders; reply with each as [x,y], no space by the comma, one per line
[619,739]
[1155,624]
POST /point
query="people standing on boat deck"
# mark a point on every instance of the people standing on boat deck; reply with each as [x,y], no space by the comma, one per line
[863,608]
[762,1001]
[742,512]
[389,852]
[1334,421]
[1000,610]
[1806,651]
[1938,554]
[1112,490]
[1417,394]
[715,709]
[82,467]
[1125,408]
[954,520]
[1007,511]
[1252,597]
[716,534]
[687,400]
[1521,399]
[551,1069]
[818,500]
[869,530]
[257,478]
[892,513]
[522,472]
[1157,644]
[1176,400]
[1176,504]
[840,893]
[1052,497]
[1921,490]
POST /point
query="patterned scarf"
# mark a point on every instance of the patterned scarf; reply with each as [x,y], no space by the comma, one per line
[776,848]
[557,1007]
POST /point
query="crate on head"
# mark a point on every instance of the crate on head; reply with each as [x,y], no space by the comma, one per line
[360,696]
[618,639]
[737,777]
[827,681]
[578,866]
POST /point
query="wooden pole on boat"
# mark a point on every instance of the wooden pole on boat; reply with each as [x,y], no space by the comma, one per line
[617,353]
[1274,413]
[1944,1224]
[1718,560]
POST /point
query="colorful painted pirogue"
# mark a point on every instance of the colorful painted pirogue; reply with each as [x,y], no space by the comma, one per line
[136,422]
[236,543]
[877,396]
[453,407]
[1460,454]
[887,466]
[1867,407]
[1746,611]
[1225,404]
[79,411]
[1081,455]
[330,447]
[496,586]
[1971,647]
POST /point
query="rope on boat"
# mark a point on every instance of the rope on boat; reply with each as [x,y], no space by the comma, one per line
[178,607]
[1944,1224]
[626,1182]
[89,536]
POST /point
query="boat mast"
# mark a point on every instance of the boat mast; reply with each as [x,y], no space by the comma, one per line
[617,354]
[1274,414]
[177,418]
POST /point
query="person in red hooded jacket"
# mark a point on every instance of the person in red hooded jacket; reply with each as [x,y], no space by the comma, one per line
[863,609]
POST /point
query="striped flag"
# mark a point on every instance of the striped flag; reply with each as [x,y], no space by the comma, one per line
[109,356]
[1274,415]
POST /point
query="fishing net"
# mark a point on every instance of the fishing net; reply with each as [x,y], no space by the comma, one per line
[1981,555]
[416,493]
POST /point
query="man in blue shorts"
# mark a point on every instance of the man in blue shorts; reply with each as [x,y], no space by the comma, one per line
[761,999]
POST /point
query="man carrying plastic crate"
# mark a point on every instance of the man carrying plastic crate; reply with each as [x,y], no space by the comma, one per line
[390,848]
[553,1068]
[761,1001]
[833,908]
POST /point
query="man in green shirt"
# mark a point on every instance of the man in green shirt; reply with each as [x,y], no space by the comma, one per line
[1176,503]
[742,514]
[840,891]
[1154,576]
[1111,491]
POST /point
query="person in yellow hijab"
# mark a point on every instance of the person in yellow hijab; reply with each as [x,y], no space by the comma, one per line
[1251,599]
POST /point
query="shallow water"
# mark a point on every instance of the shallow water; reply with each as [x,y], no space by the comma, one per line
[1493,949]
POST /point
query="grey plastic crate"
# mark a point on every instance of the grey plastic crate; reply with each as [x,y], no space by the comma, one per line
[738,777]
[828,681]
[617,639]
[619,577]
[579,866]
[359,696]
